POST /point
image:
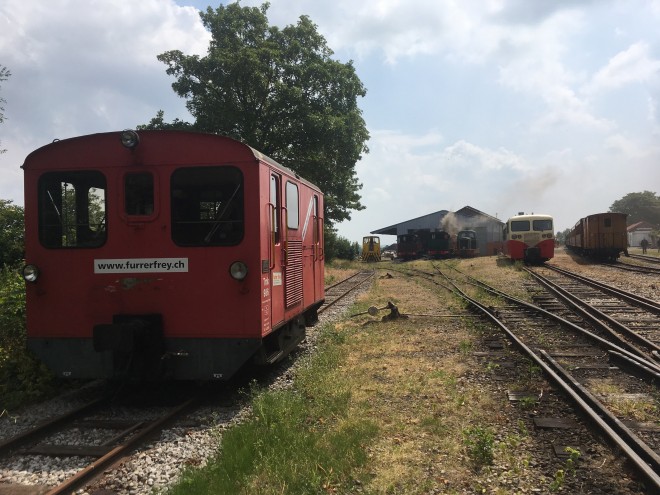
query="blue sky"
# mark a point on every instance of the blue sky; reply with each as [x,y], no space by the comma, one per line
[502,105]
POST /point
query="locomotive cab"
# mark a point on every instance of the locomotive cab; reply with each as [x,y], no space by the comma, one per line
[529,238]
[371,249]
[174,254]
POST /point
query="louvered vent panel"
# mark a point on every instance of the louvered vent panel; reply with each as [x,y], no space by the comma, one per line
[294,274]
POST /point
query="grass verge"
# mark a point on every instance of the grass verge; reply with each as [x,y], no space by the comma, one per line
[298,440]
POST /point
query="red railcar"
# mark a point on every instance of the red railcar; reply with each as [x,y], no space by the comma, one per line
[167,253]
[529,238]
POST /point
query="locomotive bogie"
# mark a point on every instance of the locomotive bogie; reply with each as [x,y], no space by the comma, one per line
[185,255]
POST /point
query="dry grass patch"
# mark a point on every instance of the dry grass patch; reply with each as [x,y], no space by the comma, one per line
[409,377]
[497,272]
[338,270]
[638,407]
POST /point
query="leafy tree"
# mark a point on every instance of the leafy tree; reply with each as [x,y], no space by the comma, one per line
[4,75]
[11,233]
[357,249]
[337,246]
[280,91]
[644,206]
[158,122]
[560,237]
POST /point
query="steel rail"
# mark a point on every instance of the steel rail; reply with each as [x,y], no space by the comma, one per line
[642,302]
[632,452]
[643,257]
[345,280]
[649,461]
[96,468]
[629,267]
[47,426]
[596,316]
[369,276]
[621,346]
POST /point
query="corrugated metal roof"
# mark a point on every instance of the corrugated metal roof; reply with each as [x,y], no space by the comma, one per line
[434,218]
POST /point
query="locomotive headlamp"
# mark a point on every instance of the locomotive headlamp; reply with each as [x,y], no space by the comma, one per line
[130,139]
[238,270]
[30,273]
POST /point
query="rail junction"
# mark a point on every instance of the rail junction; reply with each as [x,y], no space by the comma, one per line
[569,338]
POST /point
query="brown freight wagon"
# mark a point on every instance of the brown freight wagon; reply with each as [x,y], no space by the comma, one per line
[602,235]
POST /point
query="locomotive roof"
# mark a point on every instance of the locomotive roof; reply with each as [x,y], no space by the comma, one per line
[531,215]
[82,146]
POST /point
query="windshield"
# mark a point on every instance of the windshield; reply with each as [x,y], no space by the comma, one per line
[207,206]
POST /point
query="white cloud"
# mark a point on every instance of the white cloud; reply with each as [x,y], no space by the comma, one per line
[79,67]
[633,65]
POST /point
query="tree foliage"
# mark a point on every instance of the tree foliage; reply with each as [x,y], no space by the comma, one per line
[4,75]
[279,91]
[11,233]
[338,247]
[640,206]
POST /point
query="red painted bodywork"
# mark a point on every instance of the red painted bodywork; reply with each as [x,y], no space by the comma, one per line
[204,302]
[533,244]
[516,249]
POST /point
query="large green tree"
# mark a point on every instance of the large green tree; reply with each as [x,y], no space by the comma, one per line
[280,91]
[4,75]
[11,233]
[639,206]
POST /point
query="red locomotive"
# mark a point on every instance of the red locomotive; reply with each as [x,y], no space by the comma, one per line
[529,238]
[167,254]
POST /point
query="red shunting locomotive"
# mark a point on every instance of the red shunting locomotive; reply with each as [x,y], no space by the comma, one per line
[167,254]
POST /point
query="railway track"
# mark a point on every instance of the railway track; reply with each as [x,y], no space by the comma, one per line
[336,292]
[106,439]
[647,269]
[578,360]
[632,318]
[643,257]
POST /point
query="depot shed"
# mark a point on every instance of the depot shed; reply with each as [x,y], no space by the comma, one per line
[487,227]
[639,231]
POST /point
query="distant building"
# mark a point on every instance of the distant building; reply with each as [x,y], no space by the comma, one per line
[487,227]
[637,232]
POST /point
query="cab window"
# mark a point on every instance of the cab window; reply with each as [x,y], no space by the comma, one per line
[541,225]
[519,225]
[207,206]
[275,204]
[72,209]
[139,194]
[292,213]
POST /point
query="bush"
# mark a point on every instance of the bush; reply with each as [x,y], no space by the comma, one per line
[22,377]
[12,308]
[339,247]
